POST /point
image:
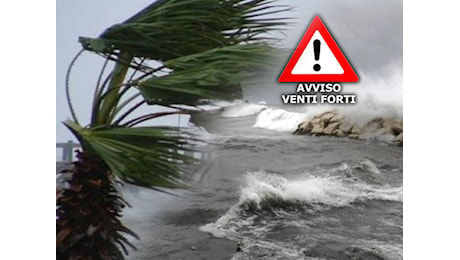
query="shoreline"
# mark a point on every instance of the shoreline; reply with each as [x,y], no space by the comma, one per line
[331,123]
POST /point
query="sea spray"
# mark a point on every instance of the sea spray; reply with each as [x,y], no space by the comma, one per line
[272,205]
[242,109]
[263,190]
[279,120]
[321,191]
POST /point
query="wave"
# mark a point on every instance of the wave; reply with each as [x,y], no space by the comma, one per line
[335,191]
[240,109]
[379,94]
[279,120]
[271,206]
[264,191]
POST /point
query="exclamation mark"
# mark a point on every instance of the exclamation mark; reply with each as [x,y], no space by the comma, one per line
[317,49]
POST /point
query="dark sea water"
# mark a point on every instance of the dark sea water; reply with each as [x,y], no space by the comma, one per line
[280,196]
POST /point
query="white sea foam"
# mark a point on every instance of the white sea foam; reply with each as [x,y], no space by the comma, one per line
[368,165]
[316,191]
[279,120]
[379,95]
[327,190]
[242,109]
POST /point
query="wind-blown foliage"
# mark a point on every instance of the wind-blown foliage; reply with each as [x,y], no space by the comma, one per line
[175,28]
[178,52]
[152,156]
[214,74]
[206,48]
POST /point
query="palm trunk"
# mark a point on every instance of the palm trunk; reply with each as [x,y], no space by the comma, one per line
[88,212]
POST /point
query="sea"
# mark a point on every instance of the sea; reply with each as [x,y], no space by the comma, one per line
[265,193]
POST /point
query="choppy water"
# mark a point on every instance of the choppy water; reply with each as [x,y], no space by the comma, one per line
[281,197]
[312,198]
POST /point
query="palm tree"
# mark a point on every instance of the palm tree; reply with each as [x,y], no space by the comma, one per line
[172,53]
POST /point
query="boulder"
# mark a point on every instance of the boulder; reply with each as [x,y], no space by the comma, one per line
[391,121]
[316,121]
[384,131]
[346,127]
[304,128]
[399,138]
[356,130]
[332,123]
[327,116]
[397,128]
[395,125]
[365,136]
[331,128]
[317,129]
[339,133]
[320,124]
[370,129]
[337,118]
[372,126]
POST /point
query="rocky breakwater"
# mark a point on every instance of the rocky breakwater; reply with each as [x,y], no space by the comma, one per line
[333,124]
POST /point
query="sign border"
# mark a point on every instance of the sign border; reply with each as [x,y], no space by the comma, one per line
[348,75]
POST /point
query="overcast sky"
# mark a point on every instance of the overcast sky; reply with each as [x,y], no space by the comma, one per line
[369,32]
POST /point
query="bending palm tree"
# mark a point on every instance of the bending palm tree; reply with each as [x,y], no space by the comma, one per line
[179,52]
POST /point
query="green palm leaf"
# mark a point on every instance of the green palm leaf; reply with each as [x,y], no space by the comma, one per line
[174,28]
[184,51]
[209,48]
[214,74]
[146,156]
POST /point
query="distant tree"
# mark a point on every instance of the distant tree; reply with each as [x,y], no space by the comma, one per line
[174,52]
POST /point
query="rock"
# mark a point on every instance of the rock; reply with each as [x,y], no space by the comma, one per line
[395,125]
[391,121]
[304,128]
[397,128]
[327,116]
[356,130]
[337,118]
[317,129]
[316,121]
[399,138]
[346,127]
[339,133]
[330,128]
[386,130]
[321,124]
[370,129]
[372,126]
[364,136]
[332,123]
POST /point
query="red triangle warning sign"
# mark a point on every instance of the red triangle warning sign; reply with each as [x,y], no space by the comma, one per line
[318,58]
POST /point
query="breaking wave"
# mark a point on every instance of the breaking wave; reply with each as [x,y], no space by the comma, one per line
[243,109]
[279,120]
[263,188]
[273,204]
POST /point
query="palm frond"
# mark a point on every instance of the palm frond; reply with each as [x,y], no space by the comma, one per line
[214,74]
[209,48]
[174,28]
[146,156]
